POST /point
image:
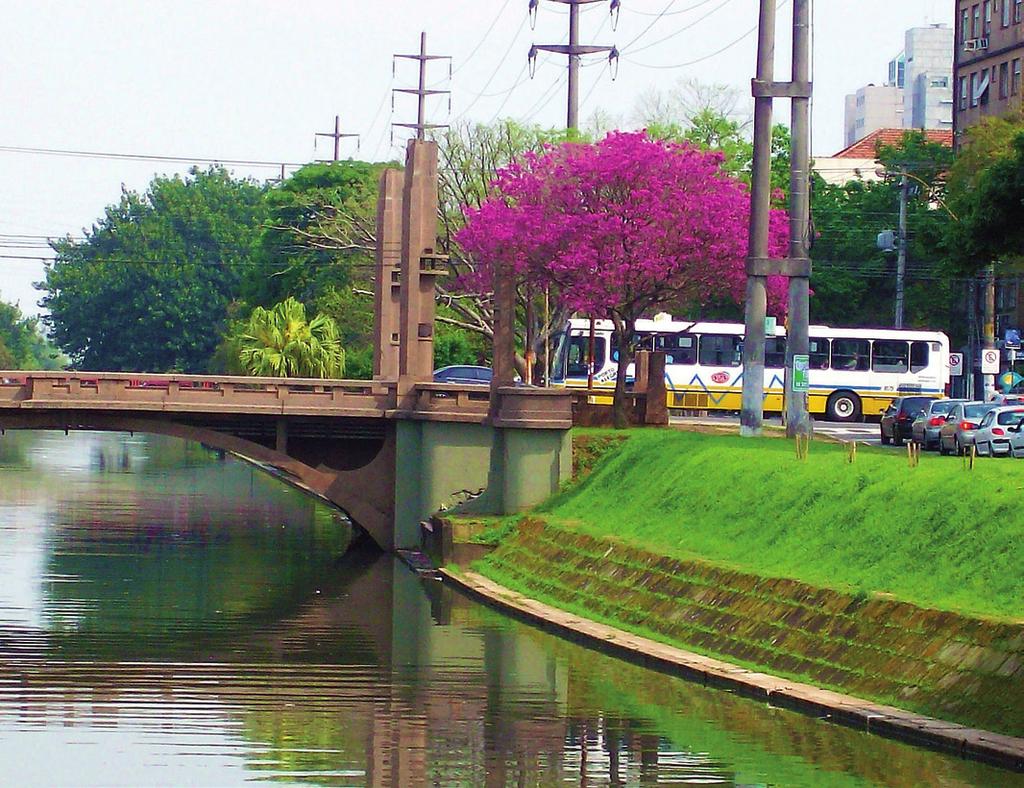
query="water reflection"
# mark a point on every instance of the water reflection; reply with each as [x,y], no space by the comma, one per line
[172,617]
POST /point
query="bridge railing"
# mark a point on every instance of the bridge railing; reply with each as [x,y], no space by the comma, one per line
[111,390]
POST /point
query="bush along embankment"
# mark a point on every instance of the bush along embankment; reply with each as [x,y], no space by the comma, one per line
[893,583]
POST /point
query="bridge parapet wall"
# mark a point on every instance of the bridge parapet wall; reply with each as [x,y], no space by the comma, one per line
[191,393]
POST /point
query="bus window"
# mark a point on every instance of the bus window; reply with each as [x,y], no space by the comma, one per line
[678,348]
[851,354]
[890,355]
[918,356]
[775,352]
[576,365]
[819,353]
[720,350]
[642,340]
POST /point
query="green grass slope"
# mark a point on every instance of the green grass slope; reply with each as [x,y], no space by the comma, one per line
[937,535]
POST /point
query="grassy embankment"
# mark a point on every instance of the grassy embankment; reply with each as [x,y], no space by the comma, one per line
[898,584]
[936,535]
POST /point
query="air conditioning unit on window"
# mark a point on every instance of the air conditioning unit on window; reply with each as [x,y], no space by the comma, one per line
[970,45]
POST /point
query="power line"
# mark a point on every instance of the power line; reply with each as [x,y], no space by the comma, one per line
[730,45]
[632,10]
[501,62]
[678,32]
[483,38]
[87,154]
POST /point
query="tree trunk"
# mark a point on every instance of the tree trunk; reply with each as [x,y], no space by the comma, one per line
[623,336]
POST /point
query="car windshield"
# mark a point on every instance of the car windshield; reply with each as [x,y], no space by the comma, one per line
[1010,417]
[914,404]
[976,411]
[943,406]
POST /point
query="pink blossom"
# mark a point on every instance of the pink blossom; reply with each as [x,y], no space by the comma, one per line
[620,226]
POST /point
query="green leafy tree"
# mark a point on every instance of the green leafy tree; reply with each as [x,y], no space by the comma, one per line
[318,235]
[22,344]
[854,281]
[149,287]
[982,192]
[280,342]
[991,219]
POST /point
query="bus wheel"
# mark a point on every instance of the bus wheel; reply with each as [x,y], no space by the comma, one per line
[843,406]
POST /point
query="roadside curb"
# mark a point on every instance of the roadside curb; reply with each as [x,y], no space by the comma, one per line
[994,748]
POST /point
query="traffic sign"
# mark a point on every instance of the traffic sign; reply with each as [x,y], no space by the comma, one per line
[801,374]
[989,361]
[956,364]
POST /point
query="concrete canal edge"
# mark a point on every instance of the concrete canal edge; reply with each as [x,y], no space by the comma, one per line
[973,743]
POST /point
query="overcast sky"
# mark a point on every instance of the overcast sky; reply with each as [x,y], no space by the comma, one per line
[255,80]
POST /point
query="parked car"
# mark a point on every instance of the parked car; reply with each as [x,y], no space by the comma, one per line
[1007,399]
[992,438]
[463,374]
[899,416]
[957,434]
[925,429]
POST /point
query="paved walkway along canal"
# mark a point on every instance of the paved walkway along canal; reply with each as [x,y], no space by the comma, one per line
[171,617]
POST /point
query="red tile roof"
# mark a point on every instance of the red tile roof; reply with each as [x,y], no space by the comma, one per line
[867,147]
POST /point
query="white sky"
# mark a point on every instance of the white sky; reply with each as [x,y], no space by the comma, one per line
[255,80]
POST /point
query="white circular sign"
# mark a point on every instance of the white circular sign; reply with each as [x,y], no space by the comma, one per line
[989,361]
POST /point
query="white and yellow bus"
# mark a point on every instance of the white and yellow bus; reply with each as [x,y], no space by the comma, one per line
[855,372]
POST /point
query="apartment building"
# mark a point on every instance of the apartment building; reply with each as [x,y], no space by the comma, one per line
[989,56]
[918,93]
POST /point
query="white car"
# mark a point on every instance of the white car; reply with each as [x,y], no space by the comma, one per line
[992,438]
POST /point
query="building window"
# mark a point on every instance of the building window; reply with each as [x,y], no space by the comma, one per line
[1017,10]
[1015,79]
[963,92]
[1006,13]
[976,21]
[988,18]
[983,83]
[974,89]
[1004,80]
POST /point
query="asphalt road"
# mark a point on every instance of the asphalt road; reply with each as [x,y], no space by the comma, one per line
[862,433]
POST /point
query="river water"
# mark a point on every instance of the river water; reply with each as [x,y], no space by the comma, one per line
[169,616]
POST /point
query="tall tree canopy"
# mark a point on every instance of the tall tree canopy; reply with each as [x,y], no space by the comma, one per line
[620,228]
[318,234]
[149,287]
[22,345]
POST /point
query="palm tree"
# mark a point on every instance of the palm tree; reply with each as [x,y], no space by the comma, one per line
[279,342]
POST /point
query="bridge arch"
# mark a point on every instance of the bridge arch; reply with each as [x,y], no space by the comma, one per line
[364,490]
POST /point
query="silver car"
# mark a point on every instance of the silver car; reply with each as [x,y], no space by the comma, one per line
[925,429]
[957,434]
[992,438]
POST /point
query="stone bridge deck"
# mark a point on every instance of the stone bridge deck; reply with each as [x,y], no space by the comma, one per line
[388,453]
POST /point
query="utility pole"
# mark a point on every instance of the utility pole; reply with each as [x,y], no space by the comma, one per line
[989,324]
[573,50]
[798,265]
[337,136]
[901,258]
[421,126]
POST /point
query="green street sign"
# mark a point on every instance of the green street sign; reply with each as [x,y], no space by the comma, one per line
[801,374]
[769,326]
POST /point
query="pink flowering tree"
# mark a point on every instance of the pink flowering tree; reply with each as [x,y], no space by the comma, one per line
[620,228]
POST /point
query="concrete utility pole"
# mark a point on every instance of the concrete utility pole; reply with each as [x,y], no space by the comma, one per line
[989,325]
[337,136]
[573,50]
[421,126]
[798,265]
[901,258]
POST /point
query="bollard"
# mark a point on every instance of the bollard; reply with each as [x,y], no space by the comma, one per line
[803,445]
[851,452]
[913,454]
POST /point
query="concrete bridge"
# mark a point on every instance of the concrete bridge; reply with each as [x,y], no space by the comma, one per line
[388,451]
